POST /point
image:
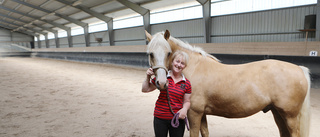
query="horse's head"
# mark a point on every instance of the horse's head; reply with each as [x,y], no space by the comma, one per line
[159,51]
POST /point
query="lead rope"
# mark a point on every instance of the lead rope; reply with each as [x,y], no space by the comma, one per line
[175,119]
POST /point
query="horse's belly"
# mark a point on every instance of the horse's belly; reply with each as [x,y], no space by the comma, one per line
[235,109]
[231,113]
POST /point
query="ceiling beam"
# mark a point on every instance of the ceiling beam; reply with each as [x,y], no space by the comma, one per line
[34,30]
[32,6]
[11,23]
[75,21]
[24,32]
[49,12]
[45,28]
[28,33]
[100,16]
[4,15]
[36,18]
[5,26]
[56,24]
[21,26]
[87,10]
[135,7]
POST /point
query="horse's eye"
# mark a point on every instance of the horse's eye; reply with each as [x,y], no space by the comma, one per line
[169,53]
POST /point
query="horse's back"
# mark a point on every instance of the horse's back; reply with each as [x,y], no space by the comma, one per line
[277,77]
[281,74]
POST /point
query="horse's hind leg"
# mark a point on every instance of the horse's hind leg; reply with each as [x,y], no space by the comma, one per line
[294,126]
[281,123]
[204,127]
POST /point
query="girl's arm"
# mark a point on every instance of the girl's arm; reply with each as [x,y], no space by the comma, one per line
[186,106]
[147,86]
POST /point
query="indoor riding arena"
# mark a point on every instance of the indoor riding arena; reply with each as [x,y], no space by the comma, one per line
[75,68]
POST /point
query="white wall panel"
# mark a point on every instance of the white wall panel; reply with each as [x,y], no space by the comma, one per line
[79,41]
[136,33]
[52,43]
[263,26]
[63,42]
[186,30]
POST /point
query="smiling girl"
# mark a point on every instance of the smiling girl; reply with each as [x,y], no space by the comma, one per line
[179,91]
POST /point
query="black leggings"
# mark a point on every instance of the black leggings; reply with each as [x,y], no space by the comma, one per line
[161,128]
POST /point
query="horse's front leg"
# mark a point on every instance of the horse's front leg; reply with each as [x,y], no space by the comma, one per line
[195,122]
[204,126]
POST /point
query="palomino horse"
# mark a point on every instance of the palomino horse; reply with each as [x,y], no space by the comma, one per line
[237,91]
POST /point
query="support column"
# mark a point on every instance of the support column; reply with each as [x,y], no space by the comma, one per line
[69,38]
[110,31]
[318,21]
[86,35]
[47,41]
[11,36]
[39,42]
[56,38]
[146,24]
[206,11]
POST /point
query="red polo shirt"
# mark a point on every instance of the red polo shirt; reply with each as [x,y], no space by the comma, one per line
[176,94]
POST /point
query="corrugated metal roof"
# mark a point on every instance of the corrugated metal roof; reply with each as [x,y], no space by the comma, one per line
[19,15]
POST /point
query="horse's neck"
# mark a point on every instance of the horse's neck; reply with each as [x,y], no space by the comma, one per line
[198,62]
[195,60]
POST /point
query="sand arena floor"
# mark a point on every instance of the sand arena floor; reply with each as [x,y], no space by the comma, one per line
[44,97]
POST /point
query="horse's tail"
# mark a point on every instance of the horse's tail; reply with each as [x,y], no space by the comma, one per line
[305,112]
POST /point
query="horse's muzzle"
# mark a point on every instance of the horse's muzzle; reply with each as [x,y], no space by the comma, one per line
[162,86]
[161,79]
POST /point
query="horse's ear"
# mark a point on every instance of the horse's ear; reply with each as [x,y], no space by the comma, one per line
[149,37]
[167,35]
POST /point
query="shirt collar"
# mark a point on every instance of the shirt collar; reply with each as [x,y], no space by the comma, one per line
[183,78]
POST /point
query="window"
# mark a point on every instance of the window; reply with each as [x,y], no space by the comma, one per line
[77,31]
[98,26]
[62,33]
[175,13]
[128,22]
[42,37]
[50,35]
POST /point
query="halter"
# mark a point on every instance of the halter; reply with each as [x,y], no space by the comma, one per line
[154,68]
[158,67]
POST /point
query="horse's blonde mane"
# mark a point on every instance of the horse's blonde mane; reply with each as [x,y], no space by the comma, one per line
[187,46]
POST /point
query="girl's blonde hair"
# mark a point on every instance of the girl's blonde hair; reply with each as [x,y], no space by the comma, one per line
[182,54]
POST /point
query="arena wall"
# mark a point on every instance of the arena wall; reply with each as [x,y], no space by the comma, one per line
[228,53]
[140,59]
[277,25]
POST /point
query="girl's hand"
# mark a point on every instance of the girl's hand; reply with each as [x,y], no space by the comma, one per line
[150,72]
[147,86]
[182,113]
